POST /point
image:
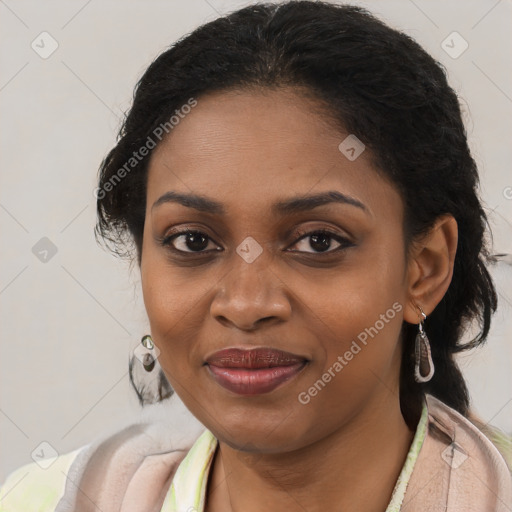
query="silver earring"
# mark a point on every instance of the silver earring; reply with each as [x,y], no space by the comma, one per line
[423,366]
[146,375]
[147,357]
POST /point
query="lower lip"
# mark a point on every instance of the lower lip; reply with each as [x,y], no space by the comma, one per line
[254,382]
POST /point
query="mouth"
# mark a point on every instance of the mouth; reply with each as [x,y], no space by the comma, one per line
[253,371]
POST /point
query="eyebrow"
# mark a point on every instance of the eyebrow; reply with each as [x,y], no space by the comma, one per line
[289,206]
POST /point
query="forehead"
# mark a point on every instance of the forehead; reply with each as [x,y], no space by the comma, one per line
[250,147]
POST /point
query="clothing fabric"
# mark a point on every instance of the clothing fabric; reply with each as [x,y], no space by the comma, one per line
[188,488]
[451,466]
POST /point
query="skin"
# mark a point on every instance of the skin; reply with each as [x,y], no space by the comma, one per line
[248,150]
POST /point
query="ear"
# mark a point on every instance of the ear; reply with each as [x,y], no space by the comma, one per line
[430,268]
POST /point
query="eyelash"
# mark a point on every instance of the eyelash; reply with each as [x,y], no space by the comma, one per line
[301,234]
[343,241]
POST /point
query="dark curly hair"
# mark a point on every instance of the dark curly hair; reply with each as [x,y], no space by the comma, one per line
[376,83]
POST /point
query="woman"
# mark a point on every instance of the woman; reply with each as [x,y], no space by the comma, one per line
[295,184]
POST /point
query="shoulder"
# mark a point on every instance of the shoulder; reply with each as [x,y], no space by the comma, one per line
[132,465]
[480,444]
[458,467]
[37,486]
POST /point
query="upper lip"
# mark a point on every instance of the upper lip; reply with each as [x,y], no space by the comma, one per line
[261,357]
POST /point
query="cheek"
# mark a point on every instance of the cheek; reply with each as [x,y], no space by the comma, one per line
[170,293]
[356,314]
[170,302]
[352,297]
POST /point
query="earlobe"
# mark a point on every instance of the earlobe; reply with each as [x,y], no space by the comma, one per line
[431,267]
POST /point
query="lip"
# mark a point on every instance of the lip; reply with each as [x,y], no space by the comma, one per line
[253,371]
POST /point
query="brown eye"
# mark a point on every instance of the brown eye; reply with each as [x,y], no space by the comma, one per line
[189,241]
[321,241]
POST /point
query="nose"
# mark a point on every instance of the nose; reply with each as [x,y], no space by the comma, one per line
[251,294]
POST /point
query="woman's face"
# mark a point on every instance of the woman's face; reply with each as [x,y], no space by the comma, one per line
[245,169]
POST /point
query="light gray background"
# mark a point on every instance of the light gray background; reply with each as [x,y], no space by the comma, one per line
[69,324]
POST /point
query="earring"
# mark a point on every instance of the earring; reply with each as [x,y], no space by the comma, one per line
[424,366]
[146,375]
[147,358]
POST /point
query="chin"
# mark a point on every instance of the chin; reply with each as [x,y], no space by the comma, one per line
[247,434]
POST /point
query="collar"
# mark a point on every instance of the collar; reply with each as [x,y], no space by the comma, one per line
[188,489]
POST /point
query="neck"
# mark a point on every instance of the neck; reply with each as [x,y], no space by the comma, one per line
[354,468]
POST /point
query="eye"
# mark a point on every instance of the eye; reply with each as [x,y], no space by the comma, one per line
[313,242]
[189,240]
[321,241]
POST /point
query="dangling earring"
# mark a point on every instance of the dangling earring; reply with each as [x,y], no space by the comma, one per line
[151,385]
[424,366]
[147,358]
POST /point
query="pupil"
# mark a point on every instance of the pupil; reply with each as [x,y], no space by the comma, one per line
[196,241]
[320,242]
